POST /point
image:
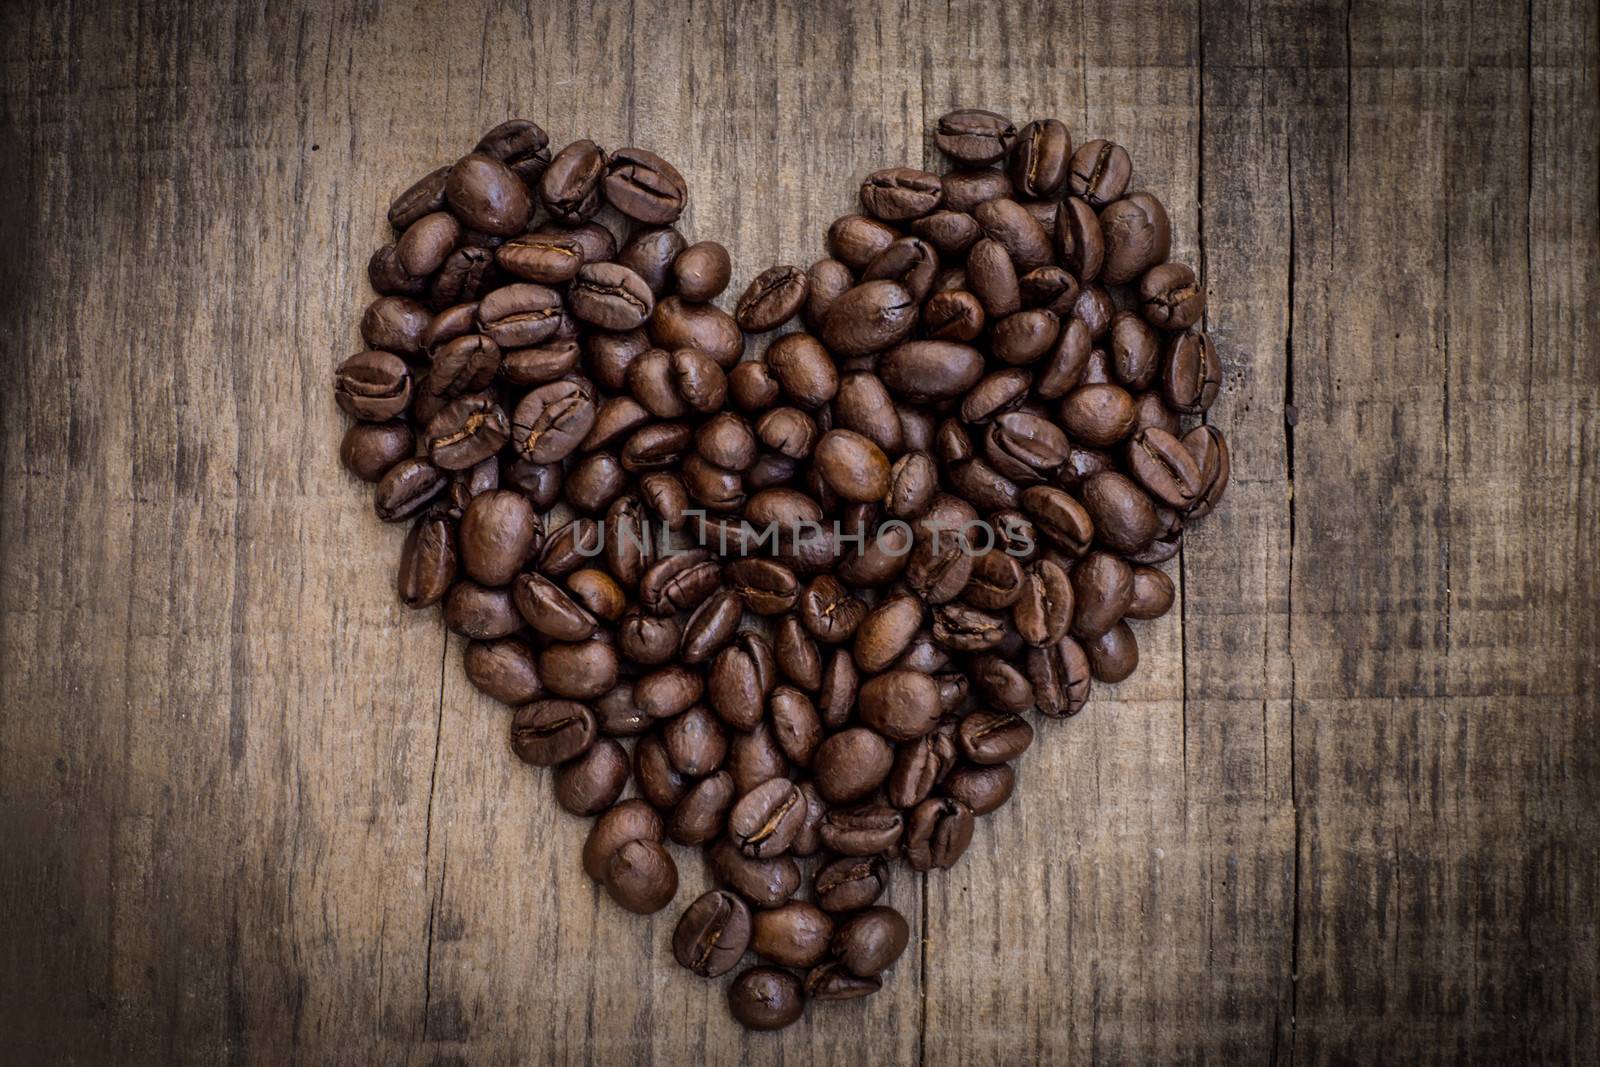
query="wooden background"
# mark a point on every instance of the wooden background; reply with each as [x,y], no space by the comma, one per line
[251,812]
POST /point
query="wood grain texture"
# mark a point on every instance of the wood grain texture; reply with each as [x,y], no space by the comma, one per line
[251,811]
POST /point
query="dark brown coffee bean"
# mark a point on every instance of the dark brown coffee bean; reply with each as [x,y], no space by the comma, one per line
[1098,415]
[1058,675]
[992,276]
[765,820]
[373,386]
[1014,228]
[611,296]
[505,669]
[370,450]
[521,145]
[1114,654]
[426,244]
[423,198]
[1170,297]
[1191,375]
[981,789]
[919,766]
[713,934]
[930,371]
[910,261]
[1043,612]
[989,737]
[1102,586]
[1163,466]
[706,327]
[711,626]
[547,256]
[804,369]
[1099,172]
[670,691]
[766,998]
[592,782]
[1153,594]
[408,488]
[956,315]
[974,136]
[741,678]
[641,877]
[631,820]
[1150,410]
[869,941]
[486,196]
[1038,165]
[869,318]
[480,614]
[773,298]
[695,742]
[1123,515]
[643,186]
[1135,350]
[768,588]
[1137,236]
[938,832]
[768,883]
[662,784]
[700,816]
[966,188]
[897,194]
[650,253]
[951,232]
[826,280]
[855,239]
[940,563]
[520,315]
[548,732]
[395,324]
[427,562]
[831,981]
[862,831]
[1025,446]
[570,185]
[499,535]
[795,935]
[887,631]
[851,764]
[902,705]
[1210,450]
[465,432]
[702,271]
[850,883]
[580,670]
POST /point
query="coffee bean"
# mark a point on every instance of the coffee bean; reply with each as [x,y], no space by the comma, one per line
[990,737]
[763,883]
[919,766]
[713,934]
[1102,586]
[855,239]
[611,296]
[570,185]
[773,298]
[1058,675]
[938,832]
[869,318]
[485,195]
[869,941]
[981,789]
[766,998]
[630,820]
[548,732]
[862,831]
[643,186]
[699,817]
[1099,172]
[1124,517]
[505,669]
[521,145]
[794,935]
[852,763]
[677,324]
[1038,164]
[423,198]
[702,271]
[1137,237]
[370,450]
[898,194]
[581,670]
[641,877]
[1170,297]
[1114,654]
[592,782]
[1153,594]
[974,136]
[695,742]
[765,820]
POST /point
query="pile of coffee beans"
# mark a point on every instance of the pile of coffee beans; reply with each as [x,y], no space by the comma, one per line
[808,603]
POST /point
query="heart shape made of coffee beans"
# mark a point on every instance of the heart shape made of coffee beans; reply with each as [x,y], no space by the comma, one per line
[819,592]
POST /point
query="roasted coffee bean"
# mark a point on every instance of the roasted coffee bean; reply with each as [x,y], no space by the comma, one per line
[798,658]
[869,318]
[1058,674]
[370,450]
[1098,415]
[711,626]
[940,563]
[1038,164]
[951,232]
[768,588]
[631,820]
[426,244]
[427,562]
[910,261]
[641,877]
[408,488]
[1025,446]
[955,315]
[713,934]
[795,935]
[981,789]
[1014,228]
[570,185]
[1124,516]
[505,669]
[662,784]
[1025,336]
[996,582]
[966,188]
[1170,297]
[828,611]
[989,737]
[650,253]
[423,198]
[1044,609]
[766,998]
[395,324]
[373,386]
[521,145]
[1153,594]
[850,883]
[992,276]
[851,764]
[774,296]
[1135,351]
[826,280]
[546,256]
[695,742]
[930,371]
[765,820]
[676,324]
[668,692]
[699,817]
[741,678]
[938,832]
[1114,654]
[900,704]
[520,315]
[1137,236]
[611,296]
[1191,374]
[611,354]
[480,614]
[862,831]
[1059,518]
[1099,172]
[486,196]
[855,240]
[1095,309]
[919,766]
[869,941]
[764,883]
[1000,684]
[961,628]
[548,732]
[804,369]
[581,670]
[465,432]
[886,632]
[974,136]
[898,194]
[592,782]
[863,405]
[702,271]
[1164,467]
[1210,450]
[499,535]
[643,186]
[1102,587]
